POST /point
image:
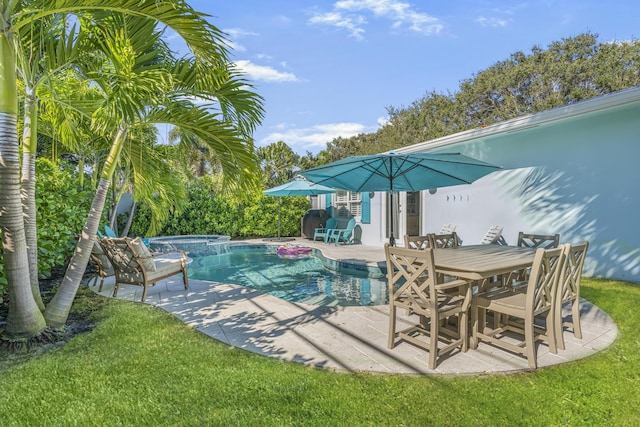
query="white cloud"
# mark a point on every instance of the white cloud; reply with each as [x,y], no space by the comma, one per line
[238,33]
[350,23]
[345,15]
[264,73]
[492,21]
[232,36]
[382,121]
[313,138]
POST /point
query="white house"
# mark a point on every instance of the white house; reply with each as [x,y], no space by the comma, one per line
[572,170]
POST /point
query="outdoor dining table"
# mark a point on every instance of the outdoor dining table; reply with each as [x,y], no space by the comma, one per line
[479,262]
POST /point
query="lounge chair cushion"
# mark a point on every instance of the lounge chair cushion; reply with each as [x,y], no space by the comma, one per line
[166,265]
[102,257]
[142,253]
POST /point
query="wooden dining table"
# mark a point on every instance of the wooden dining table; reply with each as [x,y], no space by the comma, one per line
[479,262]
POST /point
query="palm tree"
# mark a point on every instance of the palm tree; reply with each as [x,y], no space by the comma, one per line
[25,320]
[45,52]
[142,87]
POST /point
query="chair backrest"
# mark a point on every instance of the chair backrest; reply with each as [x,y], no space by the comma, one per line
[493,235]
[416,242]
[101,259]
[128,257]
[449,240]
[447,229]
[108,231]
[411,274]
[331,223]
[351,224]
[569,286]
[348,230]
[543,281]
[544,241]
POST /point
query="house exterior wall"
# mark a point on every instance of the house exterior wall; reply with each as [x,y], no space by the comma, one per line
[579,177]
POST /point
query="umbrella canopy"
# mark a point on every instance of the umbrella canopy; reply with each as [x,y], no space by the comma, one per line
[399,172]
[297,187]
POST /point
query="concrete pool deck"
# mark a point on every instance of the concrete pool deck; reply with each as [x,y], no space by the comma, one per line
[349,339]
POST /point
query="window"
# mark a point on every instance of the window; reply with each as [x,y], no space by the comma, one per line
[348,204]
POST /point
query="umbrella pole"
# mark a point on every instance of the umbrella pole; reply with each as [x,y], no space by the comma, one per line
[392,240]
[279,207]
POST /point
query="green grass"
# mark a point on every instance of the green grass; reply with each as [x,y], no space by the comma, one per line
[141,366]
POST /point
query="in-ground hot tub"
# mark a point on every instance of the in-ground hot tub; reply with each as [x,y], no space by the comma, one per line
[193,245]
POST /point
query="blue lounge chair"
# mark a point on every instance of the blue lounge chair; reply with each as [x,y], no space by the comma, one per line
[108,231]
[342,234]
[323,232]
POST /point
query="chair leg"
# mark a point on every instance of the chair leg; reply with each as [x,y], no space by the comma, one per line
[185,277]
[95,280]
[144,292]
[551,332]
[433,341]
[474,324]
[115,289]
[101,283]
[463,330]
[558,325]
[392,326]
[530,344]
[575,318]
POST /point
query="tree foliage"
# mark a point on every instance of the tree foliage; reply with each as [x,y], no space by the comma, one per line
[568,71]
[210,211]
[278,163]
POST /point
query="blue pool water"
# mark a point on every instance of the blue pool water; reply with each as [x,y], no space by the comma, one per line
[302,279]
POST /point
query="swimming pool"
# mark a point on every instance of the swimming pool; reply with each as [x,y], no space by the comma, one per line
[302,279]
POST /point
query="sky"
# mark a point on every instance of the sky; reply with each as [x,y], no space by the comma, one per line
[329,69]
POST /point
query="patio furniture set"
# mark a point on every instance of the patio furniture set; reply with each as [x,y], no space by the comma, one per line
[453,290]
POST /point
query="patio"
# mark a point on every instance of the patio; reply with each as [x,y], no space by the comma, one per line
[347,339]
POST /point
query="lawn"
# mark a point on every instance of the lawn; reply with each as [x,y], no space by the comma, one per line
[141,366]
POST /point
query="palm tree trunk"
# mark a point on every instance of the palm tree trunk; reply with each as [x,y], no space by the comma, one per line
[127,226]
[57,310]
[24,319]
[28,181]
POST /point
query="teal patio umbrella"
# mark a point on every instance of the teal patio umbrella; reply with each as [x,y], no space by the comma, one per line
[298,187]
[399,172]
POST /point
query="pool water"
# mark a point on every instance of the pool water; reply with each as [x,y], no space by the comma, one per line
[302,279]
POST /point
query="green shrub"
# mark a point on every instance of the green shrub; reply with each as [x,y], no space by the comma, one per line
[62,209]
[209,212]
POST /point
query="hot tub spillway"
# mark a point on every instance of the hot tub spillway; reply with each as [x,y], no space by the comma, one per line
[197,245]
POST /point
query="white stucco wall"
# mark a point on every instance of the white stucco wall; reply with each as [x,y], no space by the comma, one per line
[579,178]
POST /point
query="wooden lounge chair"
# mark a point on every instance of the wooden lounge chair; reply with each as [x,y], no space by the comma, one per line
[494,236]
[447,228]
[414,287]
[134,264]
[569,292]
[537,299]
[323,232]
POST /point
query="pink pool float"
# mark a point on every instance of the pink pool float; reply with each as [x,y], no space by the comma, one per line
[293,250]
